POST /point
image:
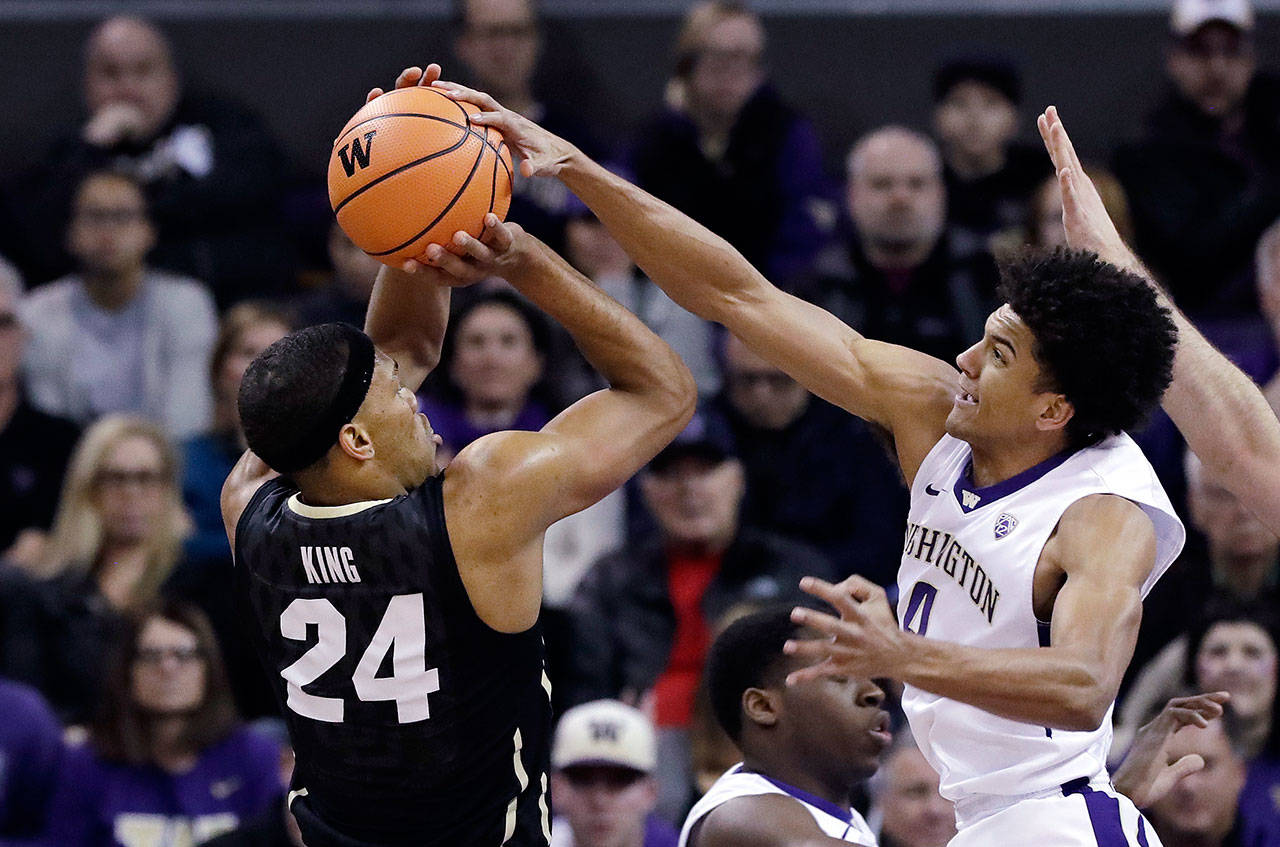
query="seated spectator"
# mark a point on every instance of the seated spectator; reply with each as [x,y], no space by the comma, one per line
[116,539]
[211,172]
[498,43]
[1239,559]
[597,255]
[1204,177]
[34,447]
[166,760]
[247,329]
[117,335]
[276,827]
[641,617]
[602,759]
[910,811]
[899,276]
[1228,803]
[345,298]
[493,369]
[1232,646]
[814,472]
[990,177]
[30,761]
[729,152]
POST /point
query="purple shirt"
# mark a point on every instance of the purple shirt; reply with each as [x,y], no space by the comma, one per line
[1259,820]
[109,804]
[456,431]
[30,755]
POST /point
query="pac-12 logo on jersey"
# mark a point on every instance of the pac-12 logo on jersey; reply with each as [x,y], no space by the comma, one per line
[1005,525]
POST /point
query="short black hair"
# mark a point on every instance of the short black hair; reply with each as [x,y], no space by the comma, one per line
[748,654]
[1101,338]
[993,71]
[290,386]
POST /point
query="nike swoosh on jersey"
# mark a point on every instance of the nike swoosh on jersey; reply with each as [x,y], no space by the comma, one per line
[931,491]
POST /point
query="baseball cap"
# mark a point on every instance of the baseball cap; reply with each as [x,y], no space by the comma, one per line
[1189,15]
[605,732]
[706,437]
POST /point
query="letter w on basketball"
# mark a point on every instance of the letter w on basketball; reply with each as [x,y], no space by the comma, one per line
[359,155]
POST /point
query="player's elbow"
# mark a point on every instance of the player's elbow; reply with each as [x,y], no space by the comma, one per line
[1086,704]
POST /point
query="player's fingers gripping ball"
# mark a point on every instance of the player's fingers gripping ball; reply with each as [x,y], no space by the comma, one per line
[410,169]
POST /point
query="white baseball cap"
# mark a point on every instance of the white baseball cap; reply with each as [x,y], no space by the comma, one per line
[605,732]
[1189,15]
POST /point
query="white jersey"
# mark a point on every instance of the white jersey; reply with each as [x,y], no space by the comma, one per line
[966,577]
[841,824]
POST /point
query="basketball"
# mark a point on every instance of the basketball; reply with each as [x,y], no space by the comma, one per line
[409,169]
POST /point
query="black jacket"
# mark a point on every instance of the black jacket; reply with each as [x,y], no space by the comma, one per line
[624,624]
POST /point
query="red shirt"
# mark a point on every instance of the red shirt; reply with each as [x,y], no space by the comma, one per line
[674,692]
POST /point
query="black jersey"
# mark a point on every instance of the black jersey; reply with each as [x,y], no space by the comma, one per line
[413,722]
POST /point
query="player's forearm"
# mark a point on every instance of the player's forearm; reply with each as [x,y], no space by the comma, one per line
[694,266]
[407,319]
[1051,687]
[615,342]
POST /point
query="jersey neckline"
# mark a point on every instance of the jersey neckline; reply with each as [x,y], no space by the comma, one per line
[969,497]
[296,506]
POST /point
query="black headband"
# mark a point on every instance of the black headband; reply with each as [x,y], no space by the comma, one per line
[351,393]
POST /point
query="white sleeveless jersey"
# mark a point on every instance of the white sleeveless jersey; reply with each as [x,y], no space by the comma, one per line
[841,824]
[966,577]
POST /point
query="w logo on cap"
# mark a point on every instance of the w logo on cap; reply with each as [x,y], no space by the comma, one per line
[605,731]
[1004,525]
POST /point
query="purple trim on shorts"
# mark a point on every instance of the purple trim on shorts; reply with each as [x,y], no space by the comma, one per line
[1104,813]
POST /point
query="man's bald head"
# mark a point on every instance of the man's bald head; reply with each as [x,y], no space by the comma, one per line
[895,194]
[129,61]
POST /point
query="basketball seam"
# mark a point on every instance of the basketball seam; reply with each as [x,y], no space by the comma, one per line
[466,133]
[474,167]
[466,126]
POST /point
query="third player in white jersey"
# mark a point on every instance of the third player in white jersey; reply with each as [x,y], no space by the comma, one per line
[968,561]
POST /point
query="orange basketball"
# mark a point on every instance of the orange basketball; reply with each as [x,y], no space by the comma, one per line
[410,169]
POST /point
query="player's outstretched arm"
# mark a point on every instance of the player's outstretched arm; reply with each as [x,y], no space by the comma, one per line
[905,391]
[1224,417]
[504,490]
[1103,549]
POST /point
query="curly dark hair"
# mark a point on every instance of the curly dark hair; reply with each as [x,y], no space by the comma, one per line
[748,654]
[1101,339]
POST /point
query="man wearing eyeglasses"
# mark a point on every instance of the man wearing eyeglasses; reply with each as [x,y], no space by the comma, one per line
[118,335]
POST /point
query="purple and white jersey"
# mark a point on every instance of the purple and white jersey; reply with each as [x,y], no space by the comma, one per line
[839,823]
[966,576]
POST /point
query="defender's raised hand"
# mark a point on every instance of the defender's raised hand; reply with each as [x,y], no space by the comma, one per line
[864,641]
[1084,216]
[542,153]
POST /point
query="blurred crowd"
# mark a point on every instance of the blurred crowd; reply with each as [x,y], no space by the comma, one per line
[154,251]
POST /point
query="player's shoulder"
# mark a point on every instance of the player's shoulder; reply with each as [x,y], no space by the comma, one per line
[757,820]
[497,454]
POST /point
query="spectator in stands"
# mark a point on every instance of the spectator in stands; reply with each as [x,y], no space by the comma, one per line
[1204,178]
[117,335]
[729,152]
[641,617]
[899,276]
[603,758]
[345,299]
[907,804]
[116,538]
[1229,803]
[990,177]
[276,827]
[247,329]
[34,447]
[493,369]
[211,172]
[499,43]
[166,760]
[1232,645]
[30,761]
[813,472]
[597,255]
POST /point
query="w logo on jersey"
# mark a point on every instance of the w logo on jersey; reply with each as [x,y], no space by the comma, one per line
[1004,525]
[970,499]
